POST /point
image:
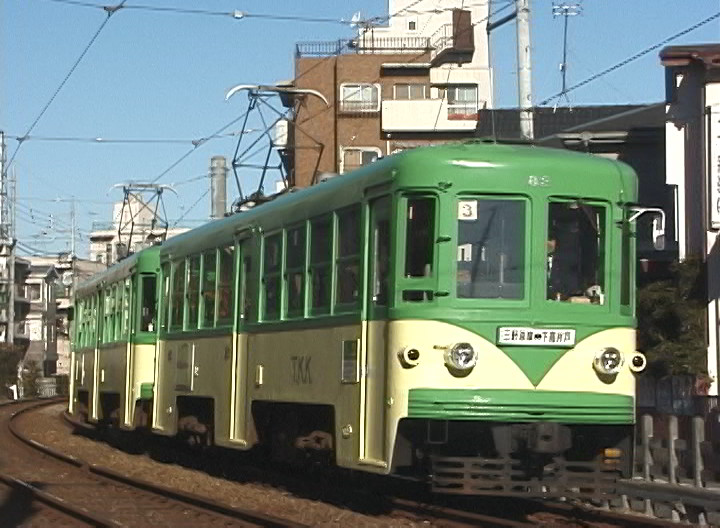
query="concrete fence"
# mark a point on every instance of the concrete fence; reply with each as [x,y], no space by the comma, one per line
[677,469]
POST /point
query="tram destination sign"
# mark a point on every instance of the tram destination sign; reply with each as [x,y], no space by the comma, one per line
[523,336]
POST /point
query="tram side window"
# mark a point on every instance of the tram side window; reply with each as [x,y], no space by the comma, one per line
[347,261]
[78,326]
[87,318]
[109,314]
[209,280]
[419,236]
[193,292]
[177,294]
[126,307]
[120,312]
[381,259]
[295,271]
[491,248]
[320,264]
[113,335]
[248,298]
[626,270]
[86,323]
[226,285]
[272,267]
[148,310]
[165,295]
[95,323]
[576,251]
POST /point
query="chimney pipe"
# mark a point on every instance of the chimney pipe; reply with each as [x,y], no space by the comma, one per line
[218,187]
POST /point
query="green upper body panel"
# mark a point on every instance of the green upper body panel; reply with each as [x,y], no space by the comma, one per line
[472,167]
[145,261]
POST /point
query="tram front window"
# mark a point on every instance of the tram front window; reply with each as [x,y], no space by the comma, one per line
[491,248]
[575,253]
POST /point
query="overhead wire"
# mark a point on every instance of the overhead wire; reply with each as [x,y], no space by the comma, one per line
[236,14]
[62,84]
[632,58]
[203,195]
[50,217]
[196,145]
[30,250]
[102,140]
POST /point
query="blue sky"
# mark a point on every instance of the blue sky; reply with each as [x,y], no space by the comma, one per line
[160,75]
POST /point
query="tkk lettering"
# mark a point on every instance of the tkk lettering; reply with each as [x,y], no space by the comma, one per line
[301,370]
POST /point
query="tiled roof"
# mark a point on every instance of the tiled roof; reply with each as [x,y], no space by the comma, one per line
[548,121]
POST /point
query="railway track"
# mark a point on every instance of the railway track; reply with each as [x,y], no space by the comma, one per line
[88,495]
[396,508]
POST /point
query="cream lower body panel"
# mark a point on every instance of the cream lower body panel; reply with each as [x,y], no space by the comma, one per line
[122,370]
[83,380]
[306,367]
[198,367]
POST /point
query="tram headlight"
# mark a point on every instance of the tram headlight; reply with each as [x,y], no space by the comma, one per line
[638,362]
[461,356]
[608,361]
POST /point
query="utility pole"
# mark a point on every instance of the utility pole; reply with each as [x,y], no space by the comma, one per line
[522,8]
[11,233]
[7,248]
[72,229]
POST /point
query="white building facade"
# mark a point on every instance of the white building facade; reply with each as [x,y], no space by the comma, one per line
[693,169]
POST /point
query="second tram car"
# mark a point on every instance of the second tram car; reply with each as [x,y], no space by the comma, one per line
[462,314]
[113,348]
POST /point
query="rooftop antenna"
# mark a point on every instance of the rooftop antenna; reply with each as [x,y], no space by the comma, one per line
[564,10]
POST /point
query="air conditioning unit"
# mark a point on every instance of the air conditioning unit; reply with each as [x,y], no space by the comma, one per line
[281,133]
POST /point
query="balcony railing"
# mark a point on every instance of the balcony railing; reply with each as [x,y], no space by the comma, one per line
[442,40]
[367,44]
[359,106]
[454,42]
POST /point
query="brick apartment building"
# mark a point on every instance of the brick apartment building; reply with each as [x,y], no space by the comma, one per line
[421,80]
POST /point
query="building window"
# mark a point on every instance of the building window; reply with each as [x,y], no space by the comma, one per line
[108,254]
[360,97]
[355,157]
[34,292]
[462,101]
[413,92]
[412,24]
